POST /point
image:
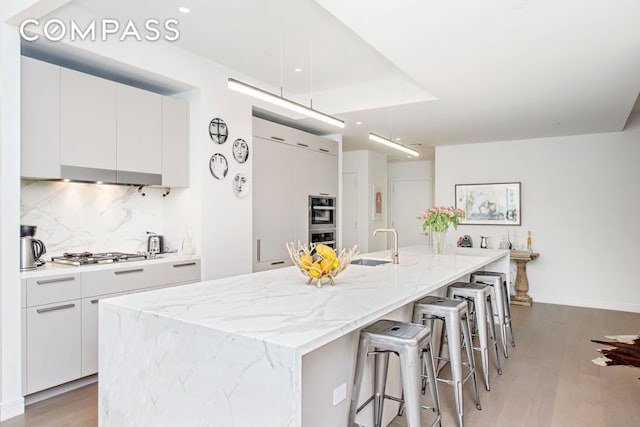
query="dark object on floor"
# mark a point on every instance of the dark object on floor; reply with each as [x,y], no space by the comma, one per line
[625,351]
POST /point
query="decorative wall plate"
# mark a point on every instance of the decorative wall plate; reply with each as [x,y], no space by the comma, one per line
[218,166]
[240,150]
[218,131]
[240,185]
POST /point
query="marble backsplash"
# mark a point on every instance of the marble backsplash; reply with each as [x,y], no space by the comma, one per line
[75,217]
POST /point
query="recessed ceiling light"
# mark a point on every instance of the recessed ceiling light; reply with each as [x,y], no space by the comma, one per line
[184,9]
[297,69]
[397,139]
[66,180]
[99,182]
[358,123]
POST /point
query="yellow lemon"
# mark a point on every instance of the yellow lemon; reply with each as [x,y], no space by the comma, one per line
[326,265]
[335,264]
[315,270]
[306,261]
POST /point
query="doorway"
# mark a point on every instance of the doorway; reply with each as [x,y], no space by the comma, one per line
[409,198]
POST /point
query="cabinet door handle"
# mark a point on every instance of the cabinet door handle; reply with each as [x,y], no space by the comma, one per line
[302,145]
[58,307]
[56,280]
[94,301]
[324,150]
[133,270]
[258,249]
[324,194]
[186,264]
[277,262]
[277,138]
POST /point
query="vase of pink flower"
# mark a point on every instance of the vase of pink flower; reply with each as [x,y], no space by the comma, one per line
[438,219]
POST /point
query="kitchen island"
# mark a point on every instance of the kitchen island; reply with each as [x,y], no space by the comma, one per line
[260,349]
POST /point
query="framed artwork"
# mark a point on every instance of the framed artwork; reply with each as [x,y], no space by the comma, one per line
[489,204]
[378,202]
[218,130]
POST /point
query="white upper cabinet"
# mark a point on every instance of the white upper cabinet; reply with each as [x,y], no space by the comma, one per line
[139,135]
[85,128]
[87,121]
[175,142]
[40,119]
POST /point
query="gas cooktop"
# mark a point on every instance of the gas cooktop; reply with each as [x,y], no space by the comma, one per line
[84,258]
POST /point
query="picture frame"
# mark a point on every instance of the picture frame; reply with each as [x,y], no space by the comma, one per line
[490,203]
[378,203]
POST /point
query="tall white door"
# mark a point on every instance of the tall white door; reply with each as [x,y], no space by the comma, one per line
[408,199]
[349,210]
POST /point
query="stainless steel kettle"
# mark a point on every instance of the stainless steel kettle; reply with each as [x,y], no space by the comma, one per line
[30,252]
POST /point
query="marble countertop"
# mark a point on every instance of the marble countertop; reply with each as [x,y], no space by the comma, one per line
[277,308]
[51,269]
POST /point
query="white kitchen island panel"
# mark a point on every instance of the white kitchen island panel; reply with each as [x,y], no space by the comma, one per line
[158,372]
[231,352]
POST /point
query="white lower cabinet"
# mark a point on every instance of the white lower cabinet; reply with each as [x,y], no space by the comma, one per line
[53,344]
[90,333]
[60,333]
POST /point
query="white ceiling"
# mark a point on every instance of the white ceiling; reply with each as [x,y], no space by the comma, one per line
[428,72]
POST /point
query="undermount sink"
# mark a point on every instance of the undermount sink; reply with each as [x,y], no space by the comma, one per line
[370,262]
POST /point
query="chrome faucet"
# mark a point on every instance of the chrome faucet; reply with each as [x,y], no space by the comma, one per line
[394,251]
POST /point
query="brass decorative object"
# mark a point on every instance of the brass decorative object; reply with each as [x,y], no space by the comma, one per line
[320,263]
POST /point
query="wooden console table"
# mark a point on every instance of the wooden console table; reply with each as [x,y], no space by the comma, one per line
[522,282]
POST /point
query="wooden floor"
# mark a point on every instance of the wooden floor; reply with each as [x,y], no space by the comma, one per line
[548,380]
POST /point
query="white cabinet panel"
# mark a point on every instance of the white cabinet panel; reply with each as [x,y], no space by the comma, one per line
[50,289]
[272,199]
[139,130]
[39,119]
[123,279]
[53,344]
[183,271]
[175,143]
[89,349]
[87,121]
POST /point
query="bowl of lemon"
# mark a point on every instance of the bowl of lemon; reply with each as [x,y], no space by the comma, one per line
[320,263]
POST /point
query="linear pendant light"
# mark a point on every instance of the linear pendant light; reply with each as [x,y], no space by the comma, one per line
[390,143]
[282,102]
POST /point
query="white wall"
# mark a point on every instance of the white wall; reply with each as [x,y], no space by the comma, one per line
[580,199]
[11,401]
[371,170]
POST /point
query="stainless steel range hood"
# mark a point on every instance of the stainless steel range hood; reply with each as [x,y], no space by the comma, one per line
[108,176]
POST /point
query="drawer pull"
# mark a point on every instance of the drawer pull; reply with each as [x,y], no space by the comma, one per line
[324,150]
[302,145]
[277,262]
[133,270]
[186,264]
[94,301]
[277,138]
[56,280]
[58,307]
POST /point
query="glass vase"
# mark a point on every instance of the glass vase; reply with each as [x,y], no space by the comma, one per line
[438,239]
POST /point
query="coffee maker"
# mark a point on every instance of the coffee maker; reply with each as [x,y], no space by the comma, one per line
[30,249]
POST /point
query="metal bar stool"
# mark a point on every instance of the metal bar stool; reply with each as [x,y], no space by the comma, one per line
[478,299]
[500,297]
[455,315]
[412,344]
